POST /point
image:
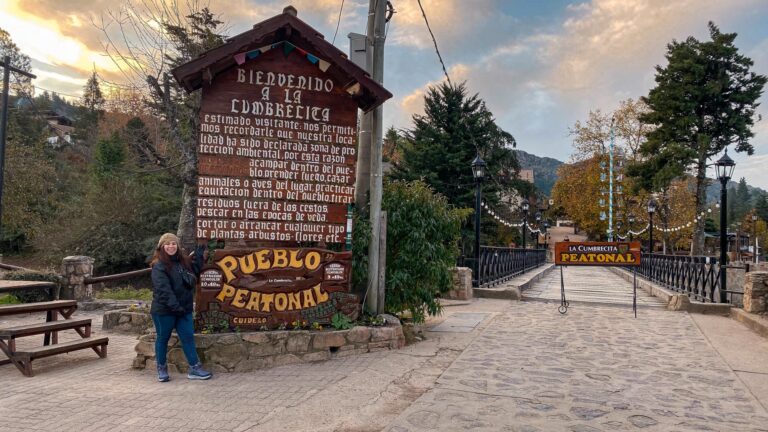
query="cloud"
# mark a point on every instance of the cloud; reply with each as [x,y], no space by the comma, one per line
[450,21]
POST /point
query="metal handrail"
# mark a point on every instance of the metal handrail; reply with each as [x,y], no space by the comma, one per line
[499,264]
[696,276]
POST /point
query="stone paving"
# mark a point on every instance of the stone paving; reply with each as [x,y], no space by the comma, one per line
[594,369]
[491,365]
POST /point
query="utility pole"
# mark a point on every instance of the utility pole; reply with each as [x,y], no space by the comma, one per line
[379,7]
[363,170]
[7,68]
[610,188]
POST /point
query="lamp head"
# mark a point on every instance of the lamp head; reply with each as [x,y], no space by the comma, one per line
[725,166]
[652,206]
[478,168]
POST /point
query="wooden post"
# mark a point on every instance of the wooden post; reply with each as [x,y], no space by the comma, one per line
[382,263]
[7,68]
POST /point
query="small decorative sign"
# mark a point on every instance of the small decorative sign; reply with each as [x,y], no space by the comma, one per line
[597,253]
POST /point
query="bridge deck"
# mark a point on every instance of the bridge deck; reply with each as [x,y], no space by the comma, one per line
[593,285]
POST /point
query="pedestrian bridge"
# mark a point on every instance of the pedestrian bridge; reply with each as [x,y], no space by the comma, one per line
[588,285]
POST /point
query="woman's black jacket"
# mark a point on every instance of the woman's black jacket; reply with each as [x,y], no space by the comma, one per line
[171,294]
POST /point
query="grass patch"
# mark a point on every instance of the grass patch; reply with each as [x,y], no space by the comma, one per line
[144,294]
[9,299]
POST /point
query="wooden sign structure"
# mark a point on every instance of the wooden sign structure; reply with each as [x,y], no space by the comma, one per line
[597,253]
[602,254]
[276,162]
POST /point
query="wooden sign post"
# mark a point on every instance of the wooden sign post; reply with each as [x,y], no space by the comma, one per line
[276,161]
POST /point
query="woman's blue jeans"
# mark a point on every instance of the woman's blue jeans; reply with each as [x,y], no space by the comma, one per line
[185,329]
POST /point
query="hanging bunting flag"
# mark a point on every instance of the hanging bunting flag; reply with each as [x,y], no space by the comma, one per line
[287,48]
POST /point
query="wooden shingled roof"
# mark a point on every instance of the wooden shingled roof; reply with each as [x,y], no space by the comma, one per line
[284,27]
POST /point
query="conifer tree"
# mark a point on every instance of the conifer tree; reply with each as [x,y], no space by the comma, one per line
[703,102]
[444,141]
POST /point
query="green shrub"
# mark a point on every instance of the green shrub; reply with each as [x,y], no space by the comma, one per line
[34,295]
[9,299]
[423,233]
[144,294]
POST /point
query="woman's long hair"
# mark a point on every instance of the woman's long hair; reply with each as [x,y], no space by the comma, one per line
[167,260]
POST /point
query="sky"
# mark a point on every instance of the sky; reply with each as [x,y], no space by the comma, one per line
[539,65]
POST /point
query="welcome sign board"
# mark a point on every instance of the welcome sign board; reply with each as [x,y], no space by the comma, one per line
[597,253]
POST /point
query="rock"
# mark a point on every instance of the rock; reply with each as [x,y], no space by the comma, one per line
[382,334]
[642,421]
[359,334]
[257,338]
[586,413]
[329,339]
[298,342]
[226,355]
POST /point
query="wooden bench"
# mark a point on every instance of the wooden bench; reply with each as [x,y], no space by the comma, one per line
[23,358]
[64,307]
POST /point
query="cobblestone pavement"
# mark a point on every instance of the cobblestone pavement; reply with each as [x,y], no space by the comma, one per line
[522,367]
[80,392]
[594,369]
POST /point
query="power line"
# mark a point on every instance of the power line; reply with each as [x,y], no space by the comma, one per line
[338,22]
[435,42]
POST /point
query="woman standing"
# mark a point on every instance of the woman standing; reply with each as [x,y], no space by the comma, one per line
[174,276]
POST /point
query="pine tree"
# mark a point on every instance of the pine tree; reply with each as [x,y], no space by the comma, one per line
[440,147]
[704,101]
[93,99]
[761,205]
[741,200]
[20,84]
[443,142]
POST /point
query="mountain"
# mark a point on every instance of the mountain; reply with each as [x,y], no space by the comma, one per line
[544,170]
[713,190]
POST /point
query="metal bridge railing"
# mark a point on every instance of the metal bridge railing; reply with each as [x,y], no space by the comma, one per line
[499,264]
[697,276]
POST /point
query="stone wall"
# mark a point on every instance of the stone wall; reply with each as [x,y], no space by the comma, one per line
[462,284]
[74,270]
[244,352]
[756,292]
[127,322]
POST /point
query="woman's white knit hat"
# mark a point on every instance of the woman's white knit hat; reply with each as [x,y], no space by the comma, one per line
[167,238]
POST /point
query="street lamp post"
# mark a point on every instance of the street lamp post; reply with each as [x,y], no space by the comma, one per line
[651,210]
[478,172]
[631,220]
[724,166]
[754,235]
[524,208]
[538,225]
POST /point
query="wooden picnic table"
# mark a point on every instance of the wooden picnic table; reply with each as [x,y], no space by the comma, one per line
[11,286]
[22,359]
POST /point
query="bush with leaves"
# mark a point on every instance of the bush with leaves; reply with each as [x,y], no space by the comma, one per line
[423,233]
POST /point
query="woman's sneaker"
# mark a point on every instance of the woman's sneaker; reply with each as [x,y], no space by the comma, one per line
[162,373]
[196,372]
